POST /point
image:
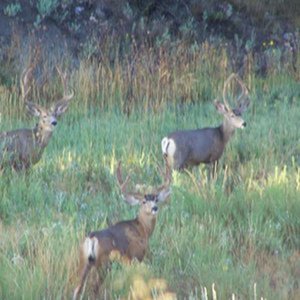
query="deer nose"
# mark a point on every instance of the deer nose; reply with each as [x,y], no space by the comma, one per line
[54,123]
[244,124]
[155,209]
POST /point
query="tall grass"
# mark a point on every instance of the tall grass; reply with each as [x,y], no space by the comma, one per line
[239,231]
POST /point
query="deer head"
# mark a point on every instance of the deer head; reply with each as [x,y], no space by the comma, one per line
[23,147]
[47,117]
[233,116]
[147,202]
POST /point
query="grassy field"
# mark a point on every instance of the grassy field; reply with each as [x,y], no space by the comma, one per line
[238,232]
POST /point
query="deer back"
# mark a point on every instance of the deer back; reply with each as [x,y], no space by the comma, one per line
[128,238]
[196,146]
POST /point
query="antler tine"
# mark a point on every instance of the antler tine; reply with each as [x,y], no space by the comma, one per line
[24,82]
[132,199]
[245,91]
[166,176]
[226,83]
[122,183]
[164,190]
[63,77]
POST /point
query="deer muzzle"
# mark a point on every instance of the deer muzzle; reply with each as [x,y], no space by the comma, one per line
[154,210]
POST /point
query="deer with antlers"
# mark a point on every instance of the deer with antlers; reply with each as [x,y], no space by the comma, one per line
[21,148]
[128,239]
[188,148]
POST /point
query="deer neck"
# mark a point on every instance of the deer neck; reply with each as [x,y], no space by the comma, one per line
[227,131]
[41,136]
[147,222]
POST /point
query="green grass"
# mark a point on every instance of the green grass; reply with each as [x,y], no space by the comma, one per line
[239,231]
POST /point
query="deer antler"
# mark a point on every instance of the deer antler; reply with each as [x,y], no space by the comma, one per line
[63,77]
[132,198]
[24,83]
[242,105]
[164,190]
[225,87]
[243,99]
[245,92]
[122,184]
[165,175]
[161,192]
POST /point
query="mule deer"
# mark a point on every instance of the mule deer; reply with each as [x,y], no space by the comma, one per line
[126,239]
[206,145]
[22,148]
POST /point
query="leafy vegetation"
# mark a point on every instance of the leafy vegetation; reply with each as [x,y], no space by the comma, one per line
[238,232]
[12,9]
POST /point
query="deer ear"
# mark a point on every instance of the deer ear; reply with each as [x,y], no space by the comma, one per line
[34,109]
[220,107]
[132,200]
[60,107]
[164,194]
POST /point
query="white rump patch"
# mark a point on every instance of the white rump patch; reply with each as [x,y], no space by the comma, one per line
[168,148]
[90,248]
[164,145]
[171,148]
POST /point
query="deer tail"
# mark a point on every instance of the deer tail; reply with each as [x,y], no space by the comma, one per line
[168,147]
[164,145]
[90,249]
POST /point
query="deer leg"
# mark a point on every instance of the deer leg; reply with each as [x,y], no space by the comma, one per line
[100,275]
[96,284]
[84,274]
